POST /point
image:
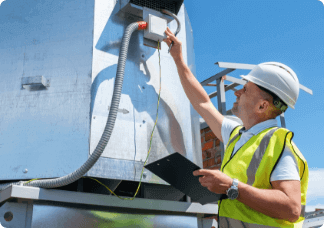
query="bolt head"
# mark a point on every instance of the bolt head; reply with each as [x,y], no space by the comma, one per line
[8,216]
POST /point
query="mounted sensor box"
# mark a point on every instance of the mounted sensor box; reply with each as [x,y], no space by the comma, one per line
[156,28]
[135,10]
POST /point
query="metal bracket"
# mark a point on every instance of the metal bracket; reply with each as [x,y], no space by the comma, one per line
[35,83]
[124,111]
[14,214]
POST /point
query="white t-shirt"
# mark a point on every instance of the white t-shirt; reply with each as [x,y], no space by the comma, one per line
[286,168]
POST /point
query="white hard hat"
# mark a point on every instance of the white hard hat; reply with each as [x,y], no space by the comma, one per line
[278,79]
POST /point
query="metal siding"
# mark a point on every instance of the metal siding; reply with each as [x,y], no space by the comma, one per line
[45,131]
[75,45]
[131,135]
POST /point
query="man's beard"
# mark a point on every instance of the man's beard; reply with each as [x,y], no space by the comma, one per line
[235,110]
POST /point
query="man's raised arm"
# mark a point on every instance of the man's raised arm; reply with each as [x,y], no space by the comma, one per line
[194,91]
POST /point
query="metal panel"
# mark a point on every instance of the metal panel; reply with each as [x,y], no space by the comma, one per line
[75,45]
[57,217]
[45,133]
[131,135]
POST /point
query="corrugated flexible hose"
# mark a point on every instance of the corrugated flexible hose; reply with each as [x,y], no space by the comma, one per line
[72,177]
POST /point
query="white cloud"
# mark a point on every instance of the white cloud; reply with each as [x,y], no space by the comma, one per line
[315,193]
[1,1]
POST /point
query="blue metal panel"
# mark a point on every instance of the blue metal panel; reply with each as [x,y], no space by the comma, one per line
[45,131]
[50,130]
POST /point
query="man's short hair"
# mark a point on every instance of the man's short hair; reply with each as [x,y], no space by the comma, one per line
[277,102]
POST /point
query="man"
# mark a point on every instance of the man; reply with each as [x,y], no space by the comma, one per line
[263,174]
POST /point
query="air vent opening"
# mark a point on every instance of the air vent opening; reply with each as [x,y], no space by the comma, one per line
[158,5]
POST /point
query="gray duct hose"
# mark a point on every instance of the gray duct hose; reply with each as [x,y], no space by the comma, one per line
[72,177]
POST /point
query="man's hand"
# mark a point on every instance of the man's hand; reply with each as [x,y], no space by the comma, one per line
[176,50]
[214,180]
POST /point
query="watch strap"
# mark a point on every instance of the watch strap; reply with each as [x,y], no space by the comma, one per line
[235,182]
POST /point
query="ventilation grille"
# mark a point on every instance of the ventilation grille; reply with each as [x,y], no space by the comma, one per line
[158,5]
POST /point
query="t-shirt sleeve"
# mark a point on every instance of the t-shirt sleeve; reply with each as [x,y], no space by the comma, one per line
[227,128]
[286,168]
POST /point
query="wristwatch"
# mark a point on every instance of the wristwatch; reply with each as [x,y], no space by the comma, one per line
[232,192]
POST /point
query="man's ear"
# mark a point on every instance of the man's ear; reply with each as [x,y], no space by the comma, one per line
[263,106]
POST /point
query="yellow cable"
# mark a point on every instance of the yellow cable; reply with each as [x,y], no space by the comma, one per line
[31,180]
[148,153]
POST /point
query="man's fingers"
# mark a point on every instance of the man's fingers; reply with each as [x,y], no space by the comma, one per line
[207,185]
[168,30]
[170,34]
[167,41]
[207,179]
[203,172]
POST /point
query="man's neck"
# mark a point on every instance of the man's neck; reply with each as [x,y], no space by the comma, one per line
[250,122]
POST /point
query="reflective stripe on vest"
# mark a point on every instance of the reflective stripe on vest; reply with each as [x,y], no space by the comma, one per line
[245,166]
[225,222]
[257,157]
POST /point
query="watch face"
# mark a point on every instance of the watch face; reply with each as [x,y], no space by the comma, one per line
[233,193]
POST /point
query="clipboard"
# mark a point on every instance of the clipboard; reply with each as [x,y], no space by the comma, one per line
[177,171]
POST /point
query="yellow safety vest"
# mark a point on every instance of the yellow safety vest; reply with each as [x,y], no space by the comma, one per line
[253,164]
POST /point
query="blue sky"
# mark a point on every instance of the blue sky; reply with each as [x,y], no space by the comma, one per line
[255,31]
